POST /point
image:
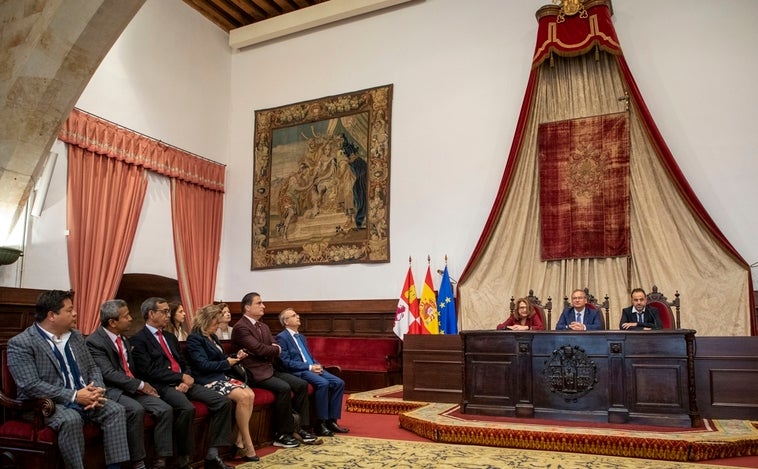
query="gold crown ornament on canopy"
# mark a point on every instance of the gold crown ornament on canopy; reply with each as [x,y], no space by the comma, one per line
[570,8]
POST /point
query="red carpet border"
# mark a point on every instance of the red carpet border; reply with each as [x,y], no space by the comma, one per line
[436,422]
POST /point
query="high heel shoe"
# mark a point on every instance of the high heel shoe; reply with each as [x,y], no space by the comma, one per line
[242,456]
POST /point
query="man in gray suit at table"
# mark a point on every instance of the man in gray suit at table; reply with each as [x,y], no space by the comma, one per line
[112,353]
[50,360]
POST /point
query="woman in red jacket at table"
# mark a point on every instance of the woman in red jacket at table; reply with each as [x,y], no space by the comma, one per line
[524,318]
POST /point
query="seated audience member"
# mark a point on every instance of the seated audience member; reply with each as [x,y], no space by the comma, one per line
[578,317]
[525,318]
[157,360]
[209,364]
[50,360]
[177,321]
[112,353]
[290,392]
[296,358]
[224,331]
[639,316]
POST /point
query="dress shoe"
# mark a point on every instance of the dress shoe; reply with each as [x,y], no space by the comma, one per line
[332,425]
[307,437]
[323,430]
[253,458]
[286,441]
[215,463]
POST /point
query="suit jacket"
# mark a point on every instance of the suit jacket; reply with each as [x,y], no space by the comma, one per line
[590,319]
[152,364]
[290,359]
[650,318]
[105,354]
[208,362]
[38,373]
[258,344]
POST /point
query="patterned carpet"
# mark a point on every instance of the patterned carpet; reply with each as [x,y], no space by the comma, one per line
[367,453]
[441,423]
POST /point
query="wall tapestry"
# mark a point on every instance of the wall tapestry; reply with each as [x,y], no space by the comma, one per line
[584,187]
[321,178]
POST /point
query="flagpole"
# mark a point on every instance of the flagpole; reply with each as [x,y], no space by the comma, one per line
[408,292]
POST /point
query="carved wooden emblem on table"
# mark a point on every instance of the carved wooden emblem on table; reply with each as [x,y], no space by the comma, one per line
[570,372]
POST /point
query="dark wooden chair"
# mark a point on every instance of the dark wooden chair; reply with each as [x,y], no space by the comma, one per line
[593,303]
[668,310]
[541,309]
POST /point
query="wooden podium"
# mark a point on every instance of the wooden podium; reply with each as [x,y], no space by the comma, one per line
[603,376]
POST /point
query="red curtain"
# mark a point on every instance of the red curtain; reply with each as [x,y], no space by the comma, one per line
[196,213]
[104,201]
[106,188]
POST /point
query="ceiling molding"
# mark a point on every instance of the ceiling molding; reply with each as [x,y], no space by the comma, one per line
[304,19]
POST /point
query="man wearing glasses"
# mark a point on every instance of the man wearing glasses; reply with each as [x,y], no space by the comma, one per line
[157,360]
[578,317]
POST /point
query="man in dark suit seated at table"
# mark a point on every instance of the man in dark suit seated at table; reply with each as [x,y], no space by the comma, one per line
[157,359]
[578,317]
[112,353]
[296,358]
[639,316]
[50,360]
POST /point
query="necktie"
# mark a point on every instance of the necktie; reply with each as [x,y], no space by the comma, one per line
[639,317]
[121,354]
[579,317]
[304,349]
[74,374]
[174,364]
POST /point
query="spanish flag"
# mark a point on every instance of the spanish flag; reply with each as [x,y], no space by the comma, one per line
[430,319]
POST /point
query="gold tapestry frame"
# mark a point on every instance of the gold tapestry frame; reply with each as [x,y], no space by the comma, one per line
[321,177]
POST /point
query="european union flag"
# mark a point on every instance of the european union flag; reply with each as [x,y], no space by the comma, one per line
[446,306]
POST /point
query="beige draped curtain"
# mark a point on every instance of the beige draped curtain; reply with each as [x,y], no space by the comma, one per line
[669,247]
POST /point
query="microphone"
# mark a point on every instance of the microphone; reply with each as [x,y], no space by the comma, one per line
[452,280]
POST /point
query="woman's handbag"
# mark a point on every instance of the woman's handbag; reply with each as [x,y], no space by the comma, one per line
[237,372]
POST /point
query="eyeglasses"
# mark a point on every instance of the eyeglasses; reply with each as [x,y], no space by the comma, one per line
[578,298]
[163,311]
[294,315]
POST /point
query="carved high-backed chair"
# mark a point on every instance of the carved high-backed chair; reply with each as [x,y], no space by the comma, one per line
[592,303]
[537,303]
[669,310]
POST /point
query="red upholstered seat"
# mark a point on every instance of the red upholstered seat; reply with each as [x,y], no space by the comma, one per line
[378,354]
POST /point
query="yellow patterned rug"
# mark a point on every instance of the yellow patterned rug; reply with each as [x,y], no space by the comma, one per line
[439,423]
[366,453]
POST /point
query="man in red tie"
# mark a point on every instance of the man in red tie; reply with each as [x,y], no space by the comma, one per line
[158,361]
[112,353]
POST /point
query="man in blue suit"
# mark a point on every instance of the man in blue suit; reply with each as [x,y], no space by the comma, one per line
[296,359]
[578,317]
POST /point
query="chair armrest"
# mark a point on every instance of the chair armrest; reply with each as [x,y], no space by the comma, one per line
[41,408]
[336,370]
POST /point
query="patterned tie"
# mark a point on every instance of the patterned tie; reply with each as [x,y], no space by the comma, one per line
[304,349]
[174,364]
[578,317]
[121,354]
[639,317]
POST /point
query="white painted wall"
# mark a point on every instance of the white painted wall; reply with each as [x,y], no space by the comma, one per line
[459,77]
